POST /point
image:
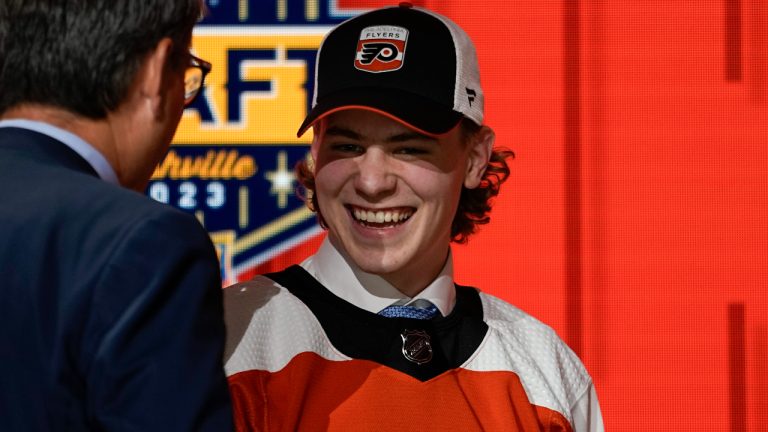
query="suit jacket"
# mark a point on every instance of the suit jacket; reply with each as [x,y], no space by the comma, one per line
[110,303]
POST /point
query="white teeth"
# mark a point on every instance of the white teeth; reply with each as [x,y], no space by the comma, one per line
[380,216]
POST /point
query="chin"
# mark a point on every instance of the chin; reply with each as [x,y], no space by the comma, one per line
[377,268]
[380,263]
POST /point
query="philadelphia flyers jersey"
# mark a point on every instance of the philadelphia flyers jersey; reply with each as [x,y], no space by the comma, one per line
[300,358]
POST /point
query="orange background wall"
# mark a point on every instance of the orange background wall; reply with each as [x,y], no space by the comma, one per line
[635,221]
[636,218]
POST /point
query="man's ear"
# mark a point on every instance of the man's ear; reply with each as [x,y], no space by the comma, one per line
[152,78]
[480,149]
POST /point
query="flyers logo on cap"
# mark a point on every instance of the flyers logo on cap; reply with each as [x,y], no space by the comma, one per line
[381,49]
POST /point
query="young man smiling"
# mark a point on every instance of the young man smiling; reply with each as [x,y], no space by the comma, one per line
[388,194]
[371,332]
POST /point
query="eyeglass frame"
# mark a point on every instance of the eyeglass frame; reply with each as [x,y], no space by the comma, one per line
[205,68]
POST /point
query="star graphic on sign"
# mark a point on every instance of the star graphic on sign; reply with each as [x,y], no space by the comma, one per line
[282,180]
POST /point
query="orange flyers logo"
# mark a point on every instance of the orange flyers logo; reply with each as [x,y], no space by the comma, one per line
[381,49]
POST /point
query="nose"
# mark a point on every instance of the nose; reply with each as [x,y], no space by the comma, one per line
[375,178]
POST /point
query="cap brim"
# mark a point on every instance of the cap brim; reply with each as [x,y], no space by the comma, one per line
[415,112]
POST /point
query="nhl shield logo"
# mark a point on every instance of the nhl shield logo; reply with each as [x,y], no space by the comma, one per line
[416,346]
[381,49]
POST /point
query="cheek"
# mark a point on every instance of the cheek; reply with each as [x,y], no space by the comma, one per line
[176,95]
[438,187]
[331,177]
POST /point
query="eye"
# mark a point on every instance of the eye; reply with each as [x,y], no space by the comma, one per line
[347,148]
[412,151]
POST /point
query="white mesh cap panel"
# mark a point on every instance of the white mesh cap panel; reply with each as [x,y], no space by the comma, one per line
[267,326]
[468,97]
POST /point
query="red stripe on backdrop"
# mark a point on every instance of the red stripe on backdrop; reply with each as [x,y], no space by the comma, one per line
[572,159]
[733,40]
[737,368]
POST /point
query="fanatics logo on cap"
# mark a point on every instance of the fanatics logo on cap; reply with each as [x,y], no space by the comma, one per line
[381,49]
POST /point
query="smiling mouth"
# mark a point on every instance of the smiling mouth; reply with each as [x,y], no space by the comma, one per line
[381,218]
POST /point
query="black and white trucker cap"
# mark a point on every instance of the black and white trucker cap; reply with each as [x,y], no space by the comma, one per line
[405,62]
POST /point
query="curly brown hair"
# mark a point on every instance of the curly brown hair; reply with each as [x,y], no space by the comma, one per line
[474,204]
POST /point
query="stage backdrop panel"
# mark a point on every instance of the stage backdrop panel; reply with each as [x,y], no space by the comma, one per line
[635,220]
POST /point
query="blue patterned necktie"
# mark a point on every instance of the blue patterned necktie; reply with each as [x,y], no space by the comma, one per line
[428,311]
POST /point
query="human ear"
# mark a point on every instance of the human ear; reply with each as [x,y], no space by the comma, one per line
[152,76]
[480,149]
[318,133]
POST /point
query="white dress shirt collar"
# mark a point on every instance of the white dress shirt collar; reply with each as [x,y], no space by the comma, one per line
[77,144]
[371,292]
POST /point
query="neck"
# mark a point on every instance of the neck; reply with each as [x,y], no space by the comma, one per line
[411,279]
[414,282]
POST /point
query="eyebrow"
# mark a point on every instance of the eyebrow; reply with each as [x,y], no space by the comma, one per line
[410,136]
[401,137]
[343,132]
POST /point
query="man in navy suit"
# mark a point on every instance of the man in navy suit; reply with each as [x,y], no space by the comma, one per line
[110,303]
